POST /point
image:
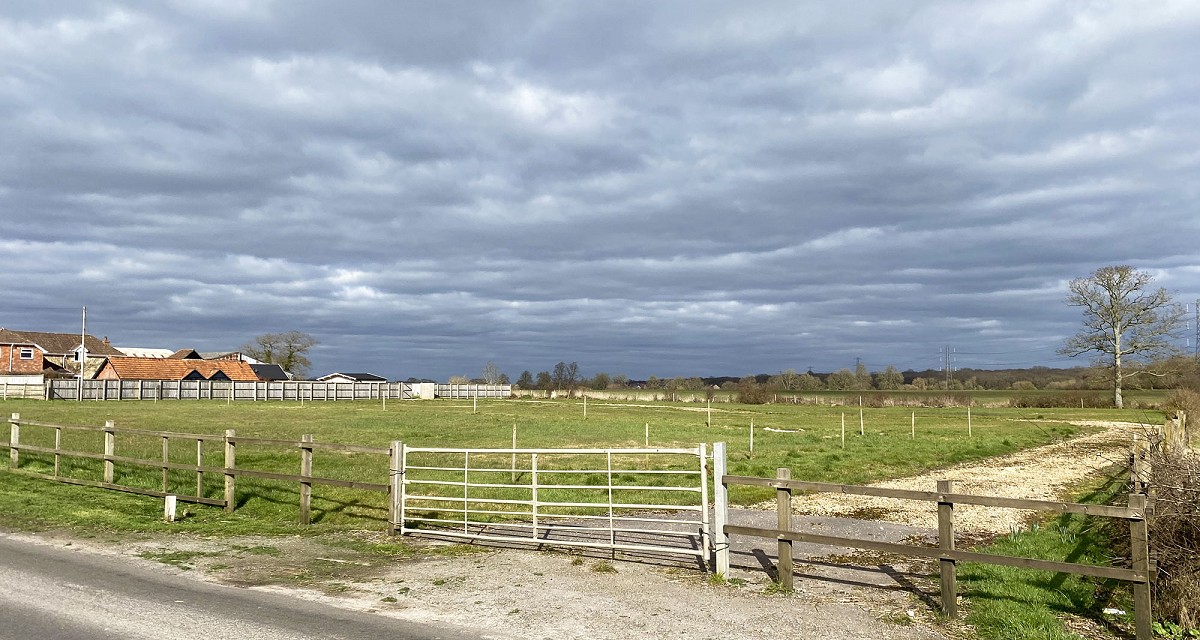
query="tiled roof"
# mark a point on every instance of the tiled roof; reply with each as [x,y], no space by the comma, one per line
[57,343]
[185,354]
[129,368]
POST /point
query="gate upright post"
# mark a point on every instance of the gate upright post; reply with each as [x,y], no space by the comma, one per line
[720,510]
[396,488]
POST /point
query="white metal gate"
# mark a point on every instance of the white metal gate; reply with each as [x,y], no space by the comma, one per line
[652,501]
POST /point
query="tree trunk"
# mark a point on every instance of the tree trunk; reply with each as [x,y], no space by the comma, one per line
[1117,377]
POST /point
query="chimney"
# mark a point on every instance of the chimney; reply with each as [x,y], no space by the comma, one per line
[106,343]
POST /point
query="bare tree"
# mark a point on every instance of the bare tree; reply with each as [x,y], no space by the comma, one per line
[289,350]
[491,373]
[1124,322]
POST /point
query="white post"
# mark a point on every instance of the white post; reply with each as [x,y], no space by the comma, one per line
[720,510]
[647,435]
[585,406]
[751,437]
[709,412]
[861,427]
[705,526]
[514,455]
[913,429]
[475,401]
[843,430]
[968,421]
[169,508]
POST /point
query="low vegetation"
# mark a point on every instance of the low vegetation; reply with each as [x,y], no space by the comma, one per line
[1008,603]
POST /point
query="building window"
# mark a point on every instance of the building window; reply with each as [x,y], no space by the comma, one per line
[26,353]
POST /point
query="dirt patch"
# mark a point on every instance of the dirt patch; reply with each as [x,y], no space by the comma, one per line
[1041,473]
[515,594]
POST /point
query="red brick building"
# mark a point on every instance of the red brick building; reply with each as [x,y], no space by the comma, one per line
[37,354]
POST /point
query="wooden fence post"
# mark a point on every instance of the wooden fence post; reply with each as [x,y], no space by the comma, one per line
[57,448]
[1174,432]
[783,509]
[946,542]
[230,470]
[14,440]
[1139,538]
[1139,470]
[720,511]
[199,463]
[110,450]
[166,458]
[306,469]
[396,488]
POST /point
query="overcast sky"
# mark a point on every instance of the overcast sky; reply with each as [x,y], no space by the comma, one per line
[646,188]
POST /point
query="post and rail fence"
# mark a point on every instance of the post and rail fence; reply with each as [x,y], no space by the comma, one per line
[1134,512]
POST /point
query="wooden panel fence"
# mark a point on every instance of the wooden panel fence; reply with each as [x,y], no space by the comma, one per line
[1134,512]
[295,390]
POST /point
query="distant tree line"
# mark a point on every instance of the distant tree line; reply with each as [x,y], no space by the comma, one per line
[1171,373]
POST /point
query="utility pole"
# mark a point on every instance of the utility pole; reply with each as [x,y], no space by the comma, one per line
[81,354]
[948,364]
[1196,324]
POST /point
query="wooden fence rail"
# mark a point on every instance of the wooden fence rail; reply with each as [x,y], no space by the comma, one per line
[1134,512]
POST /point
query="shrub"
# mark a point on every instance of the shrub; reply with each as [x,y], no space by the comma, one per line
[1175,535]
[750,391]
[1090,399]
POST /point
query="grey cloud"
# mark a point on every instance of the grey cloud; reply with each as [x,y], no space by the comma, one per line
[645,188]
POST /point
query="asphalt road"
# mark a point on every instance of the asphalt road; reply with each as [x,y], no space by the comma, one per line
[56,592]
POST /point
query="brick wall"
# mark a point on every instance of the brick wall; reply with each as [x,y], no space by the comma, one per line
[12,363]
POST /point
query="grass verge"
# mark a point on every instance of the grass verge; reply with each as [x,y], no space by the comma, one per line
[1008,603]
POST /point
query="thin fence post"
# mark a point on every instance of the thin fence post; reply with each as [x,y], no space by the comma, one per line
[1138,470]
[969,434]
[166,458]
[230,470]
[110,450]
[913,428]
[199,463]
[14,440]
[946,542]
[1139,538]
[705,522]
[57,448]
[720,511]
[396,488]
[306,470]
[783,509]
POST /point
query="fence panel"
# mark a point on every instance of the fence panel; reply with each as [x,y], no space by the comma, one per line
[296,390]
[630,500]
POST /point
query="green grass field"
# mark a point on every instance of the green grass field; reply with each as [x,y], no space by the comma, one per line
[805,438]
